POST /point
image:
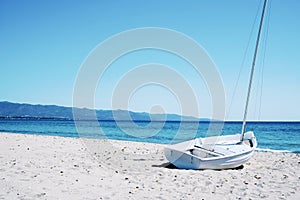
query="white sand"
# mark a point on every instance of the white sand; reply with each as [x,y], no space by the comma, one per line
[44,167]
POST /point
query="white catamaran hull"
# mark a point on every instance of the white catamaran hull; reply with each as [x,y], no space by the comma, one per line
[228,152]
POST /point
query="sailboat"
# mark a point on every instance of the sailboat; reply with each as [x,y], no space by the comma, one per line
[218,152]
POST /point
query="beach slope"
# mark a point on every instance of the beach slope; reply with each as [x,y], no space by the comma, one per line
[47,167]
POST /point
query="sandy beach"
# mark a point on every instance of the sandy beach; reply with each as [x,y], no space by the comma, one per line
[46,167]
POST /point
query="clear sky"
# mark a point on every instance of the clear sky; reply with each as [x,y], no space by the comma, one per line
[44,43]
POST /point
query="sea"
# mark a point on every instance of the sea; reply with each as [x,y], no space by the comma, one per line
[271,136]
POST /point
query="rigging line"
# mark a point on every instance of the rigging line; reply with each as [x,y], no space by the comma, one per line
[255,93]
[259,87]
[261,65]
[259,80]
[263,59]
[243,62]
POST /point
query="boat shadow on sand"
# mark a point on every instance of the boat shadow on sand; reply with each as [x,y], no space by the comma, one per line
[169,165]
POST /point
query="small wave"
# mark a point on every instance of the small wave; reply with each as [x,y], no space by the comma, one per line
[272,150]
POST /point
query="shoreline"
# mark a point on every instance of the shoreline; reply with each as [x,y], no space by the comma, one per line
[78,137]
[53,167]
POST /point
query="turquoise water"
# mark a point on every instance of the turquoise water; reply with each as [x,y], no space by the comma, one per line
[280,136]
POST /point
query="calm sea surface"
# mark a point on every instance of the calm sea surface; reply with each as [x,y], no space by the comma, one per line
[280,136]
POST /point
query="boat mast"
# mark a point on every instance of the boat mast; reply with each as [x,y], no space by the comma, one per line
[252,70]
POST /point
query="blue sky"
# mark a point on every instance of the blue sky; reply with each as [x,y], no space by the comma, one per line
[44,43]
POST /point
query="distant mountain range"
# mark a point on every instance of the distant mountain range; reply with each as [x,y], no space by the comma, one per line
[17,110]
